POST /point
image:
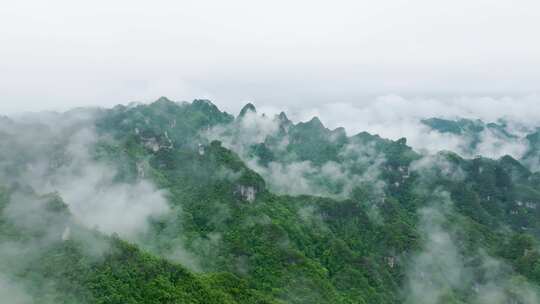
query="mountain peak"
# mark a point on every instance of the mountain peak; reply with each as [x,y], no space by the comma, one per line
[316,122]
[204,102]
[163,99]
[204,105]
[282,119]
[248,108]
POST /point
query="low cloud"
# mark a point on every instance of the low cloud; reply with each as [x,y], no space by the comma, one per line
[291,176]
[12,293]
[394,116]
[54,154]
[57,188]
[441,272]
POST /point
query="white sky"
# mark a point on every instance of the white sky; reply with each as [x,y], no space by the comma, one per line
[58,54]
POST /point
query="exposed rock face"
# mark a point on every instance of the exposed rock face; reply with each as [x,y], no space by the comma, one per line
[66,234]
[247,193]
[201,149]
[528,205]
[391,261]
[152,144]
[169,144]
[155,144]
[140,170]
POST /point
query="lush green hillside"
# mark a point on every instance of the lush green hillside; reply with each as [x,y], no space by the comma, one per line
[182,203]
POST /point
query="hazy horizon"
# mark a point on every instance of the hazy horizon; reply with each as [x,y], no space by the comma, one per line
[59,55]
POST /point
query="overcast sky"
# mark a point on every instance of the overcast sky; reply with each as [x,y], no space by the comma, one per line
[60,54]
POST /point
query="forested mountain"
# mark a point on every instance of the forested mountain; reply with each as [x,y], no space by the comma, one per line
[182,203]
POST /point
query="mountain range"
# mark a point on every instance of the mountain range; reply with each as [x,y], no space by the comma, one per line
[176,202]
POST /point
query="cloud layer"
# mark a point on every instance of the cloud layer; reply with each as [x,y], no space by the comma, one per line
[394,116]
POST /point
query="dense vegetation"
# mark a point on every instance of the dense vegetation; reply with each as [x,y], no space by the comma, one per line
[262,210]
